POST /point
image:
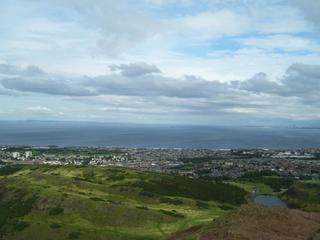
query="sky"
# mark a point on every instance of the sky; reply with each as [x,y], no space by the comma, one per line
[200,62]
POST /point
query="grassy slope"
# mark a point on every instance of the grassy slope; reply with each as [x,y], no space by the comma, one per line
[304,195]
[257,222]
[105,203]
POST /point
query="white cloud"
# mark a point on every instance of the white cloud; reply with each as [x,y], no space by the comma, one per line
[210,43]
[122,26]
[208,25]
[190,96]
[281,42]
[39,109]
[226,21]
[135,69]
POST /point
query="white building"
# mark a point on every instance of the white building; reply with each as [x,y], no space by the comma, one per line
[16,155]
[28,154]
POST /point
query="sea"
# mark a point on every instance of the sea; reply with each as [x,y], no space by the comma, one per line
[63,134]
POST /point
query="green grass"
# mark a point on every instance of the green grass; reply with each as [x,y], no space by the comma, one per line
[193,188]
[43,202]
[7,170]
[12,210]
[103,203]
[304,194]
[248,186]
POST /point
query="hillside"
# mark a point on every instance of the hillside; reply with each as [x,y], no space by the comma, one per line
[252,222]
[73,202]
[304,195]
[42,202]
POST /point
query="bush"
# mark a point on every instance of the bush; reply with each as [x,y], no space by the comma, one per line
[225,207]
[117,177]
[174,201]
[74,235]
[8,170]
[10,212]
[88,173]
[97,199]
[147,194]
[172,213]
[56,211]
[19,225]
[203,205]
[55,225]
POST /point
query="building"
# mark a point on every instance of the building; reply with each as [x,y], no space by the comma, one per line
[16,155]
[28,154]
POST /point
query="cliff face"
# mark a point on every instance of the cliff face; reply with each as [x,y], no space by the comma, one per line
[257,222]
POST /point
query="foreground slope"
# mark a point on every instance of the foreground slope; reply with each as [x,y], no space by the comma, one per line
[42,202]
[70,202]
[252,222]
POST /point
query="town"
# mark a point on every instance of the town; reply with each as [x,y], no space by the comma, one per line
[195,163]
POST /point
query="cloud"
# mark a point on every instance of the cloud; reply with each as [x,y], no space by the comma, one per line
[208,25]
[281,42]
[135,69]
[259,83]
[32,79]
[294,95]
[310,10]
[155,85]
[7,69]
[39,109]
[300,81]
[121,24]
[136,79]
[52,86]
[303,81]
[238,18]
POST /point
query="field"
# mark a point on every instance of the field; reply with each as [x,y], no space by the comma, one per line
[42,202]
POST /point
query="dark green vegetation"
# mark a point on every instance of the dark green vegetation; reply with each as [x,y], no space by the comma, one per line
[194,188]
[304,195]
[19,205]
[4,171]
[43,202]
[297,193]
[270,179]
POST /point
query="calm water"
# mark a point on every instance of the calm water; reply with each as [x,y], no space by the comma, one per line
[121,135]
[270,201]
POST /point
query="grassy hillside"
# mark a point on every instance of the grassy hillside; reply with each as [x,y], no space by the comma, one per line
[257,222]
[304,195]
[42,202]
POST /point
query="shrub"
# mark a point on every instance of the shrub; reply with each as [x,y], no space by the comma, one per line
[142,207]
[174,201]
[172,213]
[8,170]
[97,199]
[56,211]
[55,225]
[19,225]
[201,204]
[74,235]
